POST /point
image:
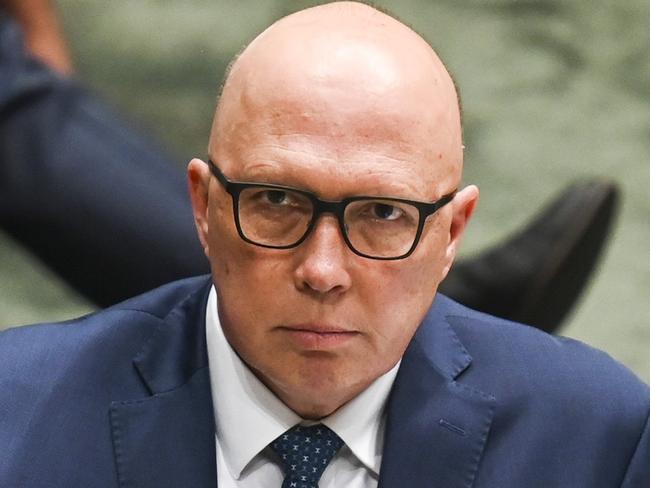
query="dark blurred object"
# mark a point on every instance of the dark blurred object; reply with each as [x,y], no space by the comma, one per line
[85,192]
[538,274]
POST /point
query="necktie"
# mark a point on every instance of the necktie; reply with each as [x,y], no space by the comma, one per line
[305,452]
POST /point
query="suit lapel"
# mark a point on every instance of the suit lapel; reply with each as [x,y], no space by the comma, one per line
[436,427]
[167,439]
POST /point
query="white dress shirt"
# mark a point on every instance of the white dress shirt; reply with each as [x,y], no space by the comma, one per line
[249,416]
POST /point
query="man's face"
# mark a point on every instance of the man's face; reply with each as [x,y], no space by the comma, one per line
[318,323]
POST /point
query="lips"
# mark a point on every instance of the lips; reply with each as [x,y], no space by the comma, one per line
[317,336]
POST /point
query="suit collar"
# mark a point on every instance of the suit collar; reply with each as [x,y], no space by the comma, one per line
[436,427]
[438,343]
[167,439]
[177,347]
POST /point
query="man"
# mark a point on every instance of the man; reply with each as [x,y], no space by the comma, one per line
[330,209]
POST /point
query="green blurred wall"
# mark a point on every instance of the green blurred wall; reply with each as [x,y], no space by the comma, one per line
[552,91]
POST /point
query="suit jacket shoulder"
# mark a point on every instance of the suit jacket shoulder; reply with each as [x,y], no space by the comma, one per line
[63,378]
[529,363]
[564,413]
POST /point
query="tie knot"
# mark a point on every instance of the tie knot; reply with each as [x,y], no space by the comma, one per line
[305,452]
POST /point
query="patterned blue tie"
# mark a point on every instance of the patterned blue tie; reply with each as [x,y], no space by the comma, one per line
[305,452]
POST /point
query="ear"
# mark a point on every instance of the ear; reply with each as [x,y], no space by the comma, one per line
[198,180]
[462,207]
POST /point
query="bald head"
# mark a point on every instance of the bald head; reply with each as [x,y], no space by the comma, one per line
[343,70]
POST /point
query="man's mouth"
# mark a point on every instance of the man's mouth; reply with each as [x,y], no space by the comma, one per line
[318,336]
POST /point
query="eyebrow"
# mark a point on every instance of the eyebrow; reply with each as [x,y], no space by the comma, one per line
[263,178]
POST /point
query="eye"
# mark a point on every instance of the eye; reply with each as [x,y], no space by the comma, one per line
[384,211]
[276,197]
[273,199]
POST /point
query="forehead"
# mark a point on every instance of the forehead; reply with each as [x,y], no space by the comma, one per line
[339,143]
[352,113]
[336,165]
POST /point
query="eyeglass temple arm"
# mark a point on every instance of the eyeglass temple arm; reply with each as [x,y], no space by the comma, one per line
[218,174]
[435,206]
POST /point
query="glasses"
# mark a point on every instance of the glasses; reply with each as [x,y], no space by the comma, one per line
[280,217]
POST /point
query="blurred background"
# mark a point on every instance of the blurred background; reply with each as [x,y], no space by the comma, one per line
[552,91]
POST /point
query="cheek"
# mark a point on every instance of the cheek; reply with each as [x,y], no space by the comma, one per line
[406,296]
[431,256]
[418,276]
[249,280]
[247,287]
[229,255]
[401,292]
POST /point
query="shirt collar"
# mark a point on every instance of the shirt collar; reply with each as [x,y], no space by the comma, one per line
[248,416]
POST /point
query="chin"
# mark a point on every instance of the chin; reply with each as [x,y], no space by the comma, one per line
[324,395]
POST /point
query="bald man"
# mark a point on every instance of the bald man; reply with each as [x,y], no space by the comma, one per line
[318,353]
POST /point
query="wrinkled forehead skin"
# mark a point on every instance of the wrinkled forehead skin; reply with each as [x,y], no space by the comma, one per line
[347,73]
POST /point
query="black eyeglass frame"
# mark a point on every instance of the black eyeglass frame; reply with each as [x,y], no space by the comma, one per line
[336,207]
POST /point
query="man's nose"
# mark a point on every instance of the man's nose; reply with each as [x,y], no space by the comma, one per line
[323,259]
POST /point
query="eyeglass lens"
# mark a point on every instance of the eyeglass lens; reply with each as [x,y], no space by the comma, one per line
[375,227]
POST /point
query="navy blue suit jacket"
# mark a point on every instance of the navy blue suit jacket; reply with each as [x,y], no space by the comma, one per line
[121,398]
